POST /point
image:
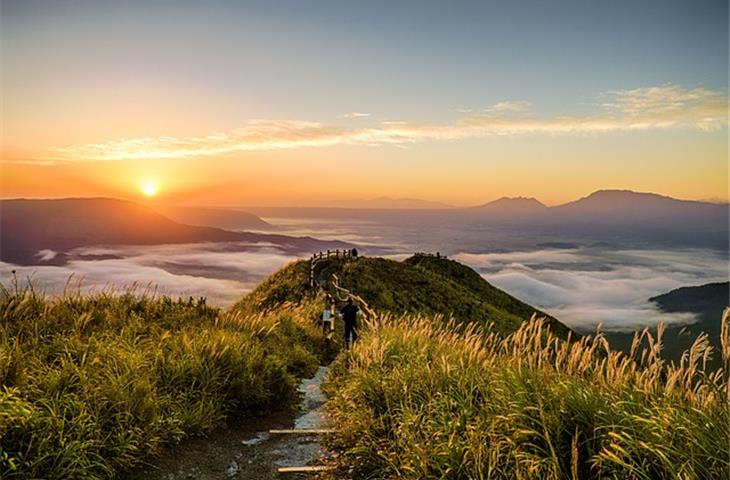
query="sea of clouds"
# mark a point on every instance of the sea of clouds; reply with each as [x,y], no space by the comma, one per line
[217,271]
[583,287]
[586,287]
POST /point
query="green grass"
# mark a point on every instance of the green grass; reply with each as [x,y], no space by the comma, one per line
[91,385]
[469,280]
[419,285]
[418,399]
[430,286]
[289,285]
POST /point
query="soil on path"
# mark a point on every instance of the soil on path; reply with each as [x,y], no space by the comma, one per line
[247,452]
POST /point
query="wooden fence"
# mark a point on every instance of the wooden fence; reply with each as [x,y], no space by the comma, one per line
[344,254]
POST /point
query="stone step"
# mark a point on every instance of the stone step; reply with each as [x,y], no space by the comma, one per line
[305,469]
[302,431]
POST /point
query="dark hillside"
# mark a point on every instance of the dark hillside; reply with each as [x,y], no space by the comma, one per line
[711,298]
[706,302]
[214,217]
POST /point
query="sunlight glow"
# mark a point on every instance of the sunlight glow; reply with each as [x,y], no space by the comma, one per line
[149,188]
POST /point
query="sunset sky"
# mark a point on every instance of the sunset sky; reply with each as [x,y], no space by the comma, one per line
[317,102]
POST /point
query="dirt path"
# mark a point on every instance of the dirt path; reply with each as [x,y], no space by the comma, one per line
[247,452]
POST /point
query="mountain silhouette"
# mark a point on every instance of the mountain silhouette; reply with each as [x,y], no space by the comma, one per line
[226,218]
[29,226]
[622,205]
[513,206]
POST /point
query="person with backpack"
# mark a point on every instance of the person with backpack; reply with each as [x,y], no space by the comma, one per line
[349,317]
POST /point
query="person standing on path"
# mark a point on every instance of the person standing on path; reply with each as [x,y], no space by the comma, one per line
[349,317]
[328,320]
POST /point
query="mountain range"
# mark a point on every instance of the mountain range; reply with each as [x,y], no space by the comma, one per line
[606,206]
[619,217]
[28,227]
[226,218]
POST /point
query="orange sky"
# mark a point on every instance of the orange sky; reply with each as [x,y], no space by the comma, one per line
[554,170]
[215,112]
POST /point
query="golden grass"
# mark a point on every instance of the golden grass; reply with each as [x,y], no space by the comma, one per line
[92,384]
[424,398]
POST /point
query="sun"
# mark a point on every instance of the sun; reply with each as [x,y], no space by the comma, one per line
[149,188]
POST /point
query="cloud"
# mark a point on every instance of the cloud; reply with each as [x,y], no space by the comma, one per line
[706,108]
[587,287]
[582,287]
[653,108]
[176,270]
[356,115]
[46,254]
[509,107]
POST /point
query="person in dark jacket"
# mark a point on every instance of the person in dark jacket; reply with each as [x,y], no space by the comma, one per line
[349,317]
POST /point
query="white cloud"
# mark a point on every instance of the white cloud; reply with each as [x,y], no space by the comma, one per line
[509,107]
[46,255]
[700,105]
[176,270]
[653,108]
[586,287]
[356,115]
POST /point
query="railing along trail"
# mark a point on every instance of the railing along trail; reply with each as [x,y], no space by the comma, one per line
[345,254]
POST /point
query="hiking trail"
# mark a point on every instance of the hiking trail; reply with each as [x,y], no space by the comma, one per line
[274,446]
[251,451]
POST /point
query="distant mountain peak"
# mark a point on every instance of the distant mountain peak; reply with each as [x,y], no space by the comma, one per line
[615,197]
[521,203]
[626,193]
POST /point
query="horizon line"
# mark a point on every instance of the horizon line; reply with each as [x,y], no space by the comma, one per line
[332,204]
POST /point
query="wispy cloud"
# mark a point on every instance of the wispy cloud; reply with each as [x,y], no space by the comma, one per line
[704,108]
[356,115]
[509,107]
[653,108]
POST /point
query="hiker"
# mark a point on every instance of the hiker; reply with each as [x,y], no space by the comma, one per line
[353,253]
[349,316]
[328,320]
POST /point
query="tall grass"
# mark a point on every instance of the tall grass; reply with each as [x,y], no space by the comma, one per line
[91,385]
[421,399]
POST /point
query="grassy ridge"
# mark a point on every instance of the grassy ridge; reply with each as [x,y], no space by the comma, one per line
[288,285]
[430,286]
[415,399]
[470,280]
[90,385]
[419,285]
